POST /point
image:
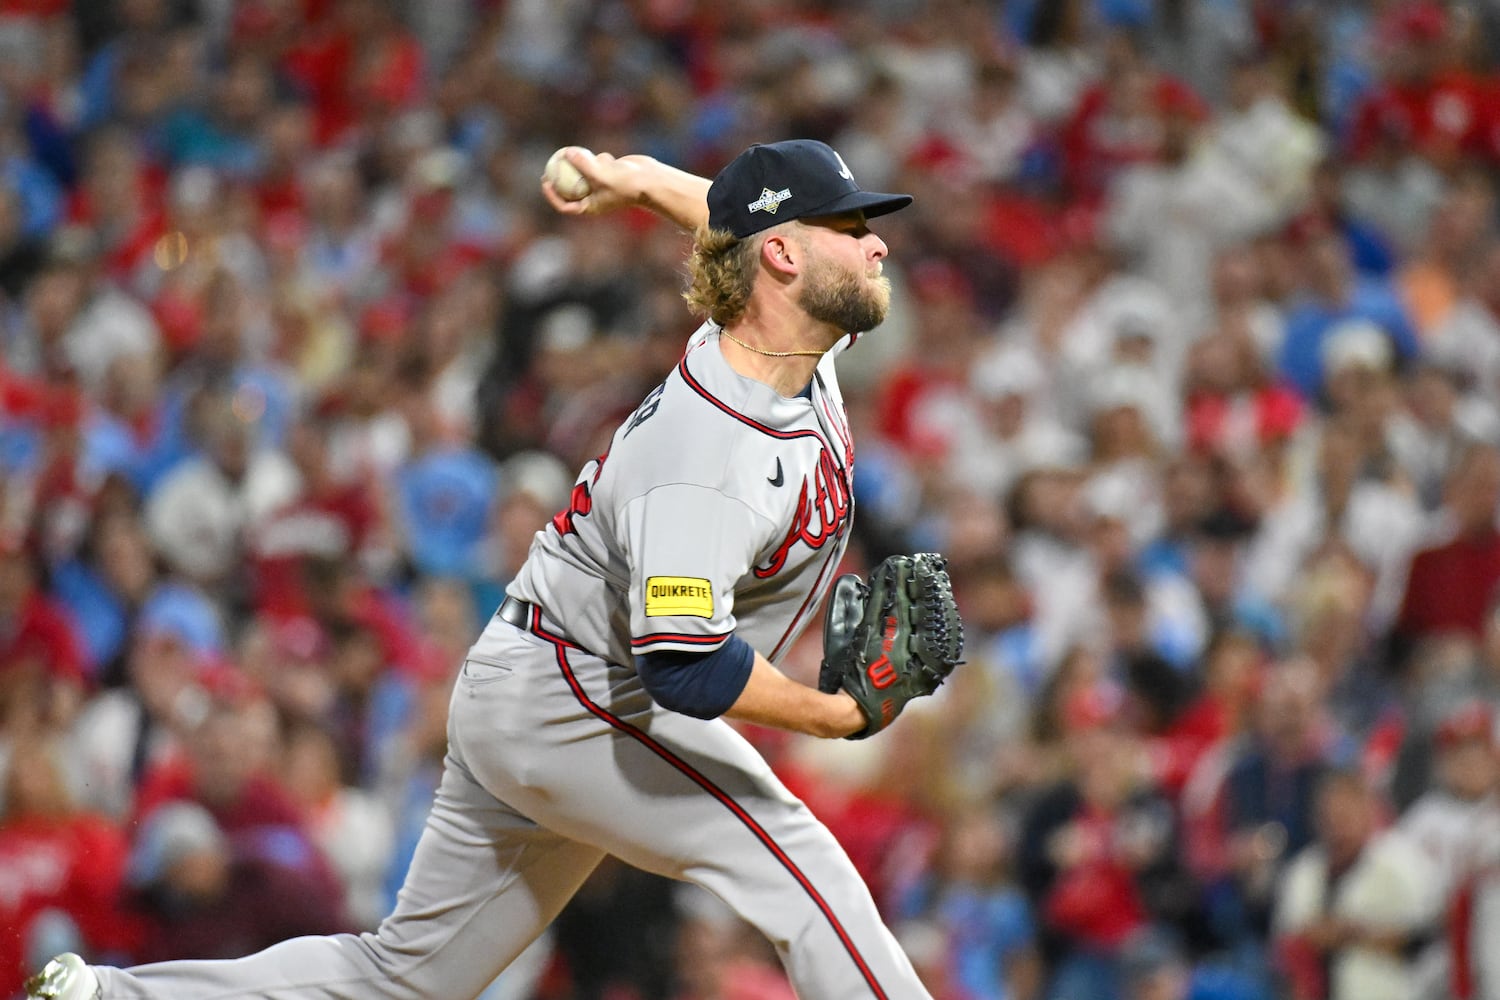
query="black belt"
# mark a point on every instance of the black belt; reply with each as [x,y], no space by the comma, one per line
[517,612]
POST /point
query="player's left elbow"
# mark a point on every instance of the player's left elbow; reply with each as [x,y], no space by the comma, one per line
[702,685]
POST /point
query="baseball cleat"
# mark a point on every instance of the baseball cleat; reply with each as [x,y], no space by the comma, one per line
[66,977]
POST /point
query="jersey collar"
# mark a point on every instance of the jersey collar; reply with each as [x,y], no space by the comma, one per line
[707,372]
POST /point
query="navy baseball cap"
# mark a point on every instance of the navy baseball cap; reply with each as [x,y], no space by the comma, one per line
[777,181]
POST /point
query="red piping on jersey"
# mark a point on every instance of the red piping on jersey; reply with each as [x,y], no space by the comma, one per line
[560,645]
[696,640]
[827,562]
[696,386]
[840,428]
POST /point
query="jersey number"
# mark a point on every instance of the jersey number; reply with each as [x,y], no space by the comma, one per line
[580,501]
[646,410]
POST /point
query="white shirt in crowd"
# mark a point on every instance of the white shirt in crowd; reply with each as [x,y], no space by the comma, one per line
[198,518]
[1385,889]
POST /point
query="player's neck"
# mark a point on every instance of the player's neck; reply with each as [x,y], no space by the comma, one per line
[780,351]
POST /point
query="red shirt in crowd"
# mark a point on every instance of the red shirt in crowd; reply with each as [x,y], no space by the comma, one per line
[888,840]
[1184,742]
[384,615]
[34,8]
[21,398]
[335,523]
[261,802]
[1450,587]
[129,250]
[41,635]
[1097,901]
[346,78]
[1098,141]
[907,402]
[1219,423]
[1443,117]
[75,865]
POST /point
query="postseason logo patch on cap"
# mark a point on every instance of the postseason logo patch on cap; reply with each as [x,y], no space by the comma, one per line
[769,201]
[754,190]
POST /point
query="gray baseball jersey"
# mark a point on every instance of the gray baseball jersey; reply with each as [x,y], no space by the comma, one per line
[720,508]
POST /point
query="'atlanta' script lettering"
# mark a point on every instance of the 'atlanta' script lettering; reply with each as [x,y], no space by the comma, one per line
[823,505]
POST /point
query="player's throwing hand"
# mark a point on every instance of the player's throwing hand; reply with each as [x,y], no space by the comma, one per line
[601,183]
[612,182]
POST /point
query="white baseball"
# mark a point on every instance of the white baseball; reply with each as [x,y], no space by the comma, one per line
[569,184]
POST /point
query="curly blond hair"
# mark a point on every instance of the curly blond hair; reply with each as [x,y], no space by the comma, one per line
[721,272]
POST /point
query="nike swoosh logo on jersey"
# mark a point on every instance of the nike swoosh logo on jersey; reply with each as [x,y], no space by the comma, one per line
[777,479]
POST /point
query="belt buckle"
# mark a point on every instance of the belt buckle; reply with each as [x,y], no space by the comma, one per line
[516,612]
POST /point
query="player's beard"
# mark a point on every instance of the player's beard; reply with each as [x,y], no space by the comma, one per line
[843,299]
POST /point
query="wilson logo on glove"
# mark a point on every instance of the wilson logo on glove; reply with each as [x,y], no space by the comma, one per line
[881,673]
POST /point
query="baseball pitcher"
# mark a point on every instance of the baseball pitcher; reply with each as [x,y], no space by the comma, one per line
[588,718]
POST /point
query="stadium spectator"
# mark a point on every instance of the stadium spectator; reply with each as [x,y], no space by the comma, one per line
[192,894]
[61,867]
[1452,584]
[1011,434]
[1335,295]
[1099,853]
[1212,198]
[1466,341]
[982,917]
[1268,790]
[1234,406]
[1337,504]
[1456,826]
[349,825]
[202,512]
[326,518]
[1439,425]
[142,723]
[228,770]
[41,655]
[1124,121]
[1351,904]
[1430,280]
[443,493]
[1427,99]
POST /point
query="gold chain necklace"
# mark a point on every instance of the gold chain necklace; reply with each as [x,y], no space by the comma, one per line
[772,354]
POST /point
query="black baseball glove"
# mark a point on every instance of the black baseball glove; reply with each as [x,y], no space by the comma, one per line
[892,639]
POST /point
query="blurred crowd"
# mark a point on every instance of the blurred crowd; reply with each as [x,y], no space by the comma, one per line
[1193,373]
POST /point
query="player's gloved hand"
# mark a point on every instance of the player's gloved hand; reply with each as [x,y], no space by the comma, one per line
[892,639]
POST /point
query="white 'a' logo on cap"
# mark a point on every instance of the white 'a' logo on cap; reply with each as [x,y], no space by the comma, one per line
[769,201]
[844,170]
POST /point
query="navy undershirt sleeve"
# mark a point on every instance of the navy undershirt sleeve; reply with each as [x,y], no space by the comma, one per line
[703,685]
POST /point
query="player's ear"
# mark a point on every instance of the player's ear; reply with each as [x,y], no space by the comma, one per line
[780,254]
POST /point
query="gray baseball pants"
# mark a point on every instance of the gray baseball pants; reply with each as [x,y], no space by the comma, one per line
[555,759]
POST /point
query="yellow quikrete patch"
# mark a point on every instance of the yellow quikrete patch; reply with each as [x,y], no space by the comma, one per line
[679,595]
